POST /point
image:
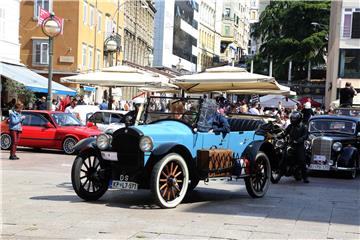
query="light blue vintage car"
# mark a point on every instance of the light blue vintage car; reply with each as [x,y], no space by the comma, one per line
[171,150]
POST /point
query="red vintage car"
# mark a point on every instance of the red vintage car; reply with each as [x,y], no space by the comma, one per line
[49,129]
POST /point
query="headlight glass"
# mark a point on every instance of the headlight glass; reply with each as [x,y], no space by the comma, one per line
[337,146]
[307,144]
[103,141]
[279,143]
[146,144]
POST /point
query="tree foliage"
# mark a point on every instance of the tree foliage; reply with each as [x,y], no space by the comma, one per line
[25,94]
[293,30]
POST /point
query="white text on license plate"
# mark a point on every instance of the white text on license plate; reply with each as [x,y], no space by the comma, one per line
[321,158]
[124,185]
[319,167]
[111,156]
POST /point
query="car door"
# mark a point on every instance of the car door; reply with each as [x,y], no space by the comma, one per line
[36,133]
[214,140]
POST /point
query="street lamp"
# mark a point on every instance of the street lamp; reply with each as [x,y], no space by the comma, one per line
[50,28]
[112,44]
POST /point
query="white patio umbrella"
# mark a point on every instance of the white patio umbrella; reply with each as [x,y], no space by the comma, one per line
[119,76]
[225,78]
[272,101]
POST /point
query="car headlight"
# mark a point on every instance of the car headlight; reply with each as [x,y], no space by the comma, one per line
[337,146]
[279,143]
[146,144]
[307,144]
[103,141]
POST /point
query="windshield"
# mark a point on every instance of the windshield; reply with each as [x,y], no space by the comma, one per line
[183,109]
[66,119]
[332,125]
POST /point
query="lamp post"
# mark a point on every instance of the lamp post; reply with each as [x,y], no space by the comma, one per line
[111,45]
[50,28]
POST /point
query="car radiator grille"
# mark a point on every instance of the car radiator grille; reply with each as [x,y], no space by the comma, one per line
[322,146]
[128,151]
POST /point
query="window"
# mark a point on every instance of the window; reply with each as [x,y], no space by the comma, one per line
[40,52]
[227,12]
[91,56]
[85,12]
[84,55]
[351,23]
[45,4]
[108,27]
[99,22]
[2,23]
[349,63]
[98,59]
[92,16]
[34,120]
[227,31]
[116,118]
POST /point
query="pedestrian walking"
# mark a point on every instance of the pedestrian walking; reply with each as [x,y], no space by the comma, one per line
[15,125]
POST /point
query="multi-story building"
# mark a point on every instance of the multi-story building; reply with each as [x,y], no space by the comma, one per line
[87,23]
[254,18]
[9,31]
[138,36]
[235,30]
[139,31]
[176,34]
[207,34]
[343,61]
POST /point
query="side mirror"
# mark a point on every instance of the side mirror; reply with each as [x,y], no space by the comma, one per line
[49,125]
[89,124]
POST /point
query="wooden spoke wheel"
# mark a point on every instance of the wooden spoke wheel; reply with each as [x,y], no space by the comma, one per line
[169,180]
[259,181]
[88,178]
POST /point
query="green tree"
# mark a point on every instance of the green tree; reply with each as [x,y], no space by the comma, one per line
[21,91]
[296,31]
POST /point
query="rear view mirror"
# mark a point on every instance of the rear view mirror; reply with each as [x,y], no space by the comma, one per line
[49,125]
[89,124]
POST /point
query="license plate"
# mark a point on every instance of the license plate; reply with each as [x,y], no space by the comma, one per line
[321,158]
[123,185]
[319,167]
[111,156]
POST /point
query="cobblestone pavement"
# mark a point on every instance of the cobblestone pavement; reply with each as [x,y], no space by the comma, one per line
[38,203]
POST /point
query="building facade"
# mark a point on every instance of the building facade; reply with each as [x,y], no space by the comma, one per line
[9,31]
[87,24]
[176,34]
[343,63]
[139,31]
[207,35]
[235,30]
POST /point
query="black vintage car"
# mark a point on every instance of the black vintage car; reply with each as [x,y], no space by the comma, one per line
[333,144]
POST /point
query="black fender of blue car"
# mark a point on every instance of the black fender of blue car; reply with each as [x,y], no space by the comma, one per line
[85,145]
[253,148]
[347,157]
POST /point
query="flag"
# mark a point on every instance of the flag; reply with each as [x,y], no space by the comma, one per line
[44,14]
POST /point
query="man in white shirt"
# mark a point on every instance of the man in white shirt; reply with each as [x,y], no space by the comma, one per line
[254,109]
[71,108]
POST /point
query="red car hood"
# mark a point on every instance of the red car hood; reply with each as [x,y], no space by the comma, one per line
[83,129]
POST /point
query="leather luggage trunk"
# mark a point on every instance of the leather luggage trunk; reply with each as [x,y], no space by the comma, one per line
[217,162]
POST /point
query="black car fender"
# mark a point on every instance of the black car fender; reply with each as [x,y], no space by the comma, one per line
[253,148]
[346,156]
[85,144]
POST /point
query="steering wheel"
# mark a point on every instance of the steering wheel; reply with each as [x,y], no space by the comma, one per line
[189,117]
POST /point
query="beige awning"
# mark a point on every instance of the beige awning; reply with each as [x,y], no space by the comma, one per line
[225,78]
[119,76]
